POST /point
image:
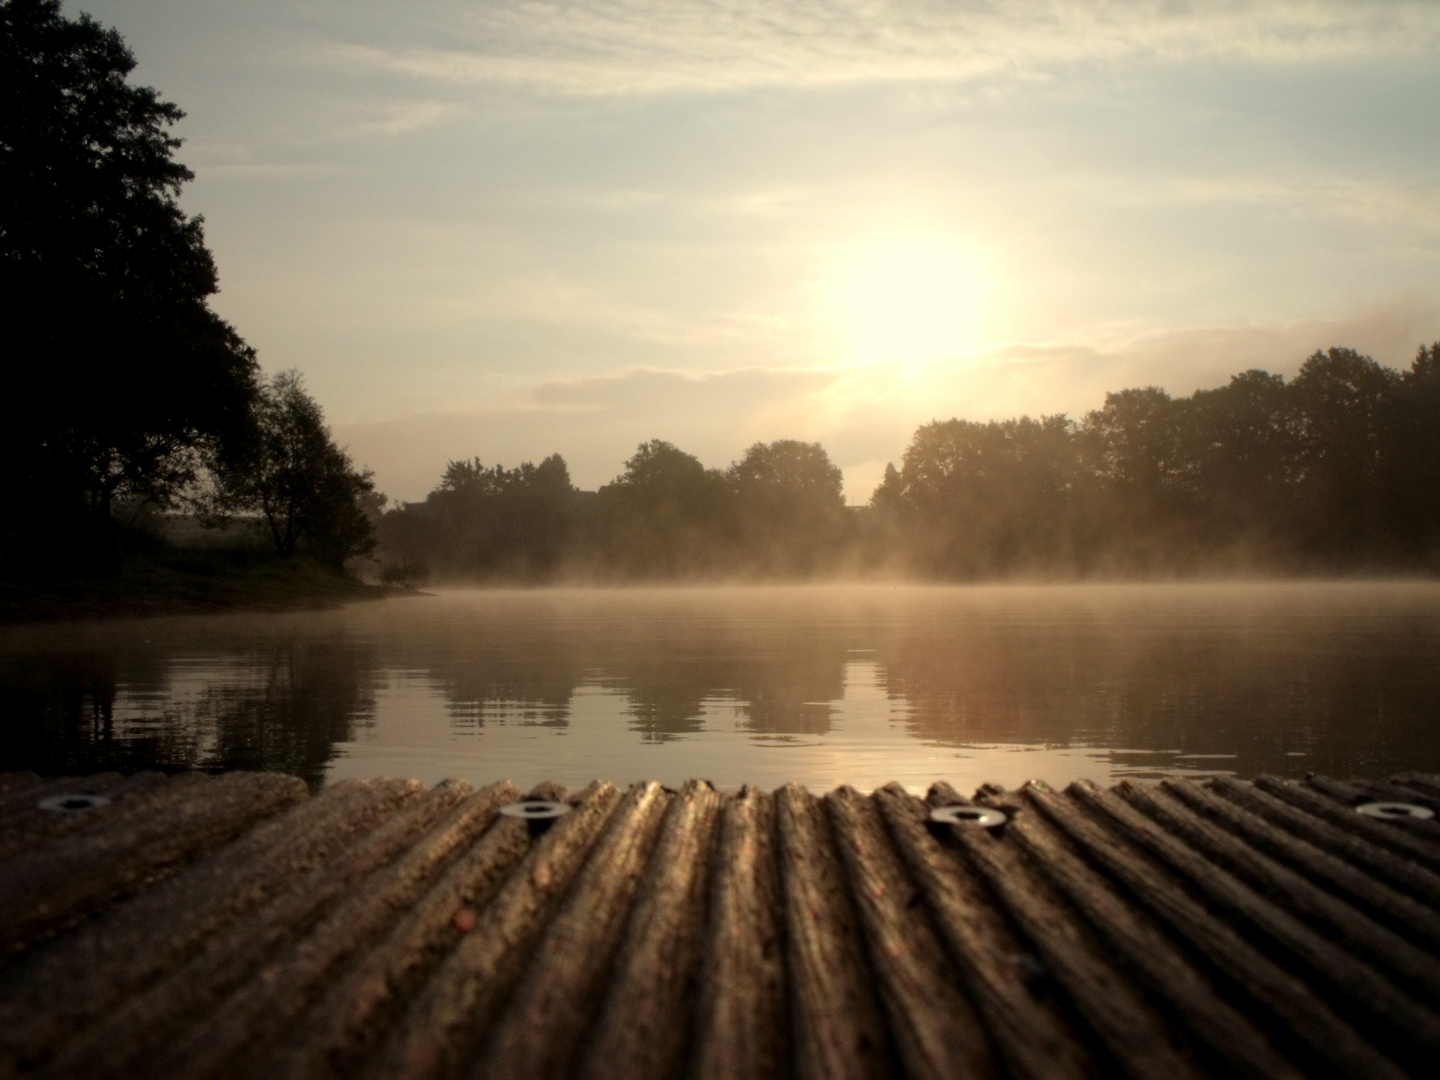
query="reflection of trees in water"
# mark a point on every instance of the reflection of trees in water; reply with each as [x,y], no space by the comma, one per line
[97,711]
[780,698]
[59,713]
[1265,694]
[1350,683]
[304,700]
[535,692]
[667,698]
[776,696]
[672,676]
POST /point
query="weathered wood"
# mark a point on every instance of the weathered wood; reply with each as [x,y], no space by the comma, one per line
[133,945]
[45,890]
[438,1033]
[642,1029]
[1218,1029]
[274,995]
[1426,785]
[741,1021]
[934,1027]
[128,1039]
[544,1022]
[381,930]
[1386,790]
[1371,1002]
[21,802]
[1382,833]
[992,963]
[1398,912]
[838,1033]
[1289,1003]
[1352,793]
[1381,863]
[1335,919]
[1136,1039]
[341,1029]
[18,784]
[130,797]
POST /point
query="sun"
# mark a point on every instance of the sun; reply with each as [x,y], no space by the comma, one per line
[910,300]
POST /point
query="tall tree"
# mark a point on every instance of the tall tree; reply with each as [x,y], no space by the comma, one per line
[1241,442]
[789,506]
[310,495]
[122,375]
[487,522]
[663,516]
[999,497]
[1411,470]
[1344,403]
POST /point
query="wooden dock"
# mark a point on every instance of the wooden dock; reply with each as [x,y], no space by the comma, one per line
[233,926]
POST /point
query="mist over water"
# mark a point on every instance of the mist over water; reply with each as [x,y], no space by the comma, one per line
[818,685]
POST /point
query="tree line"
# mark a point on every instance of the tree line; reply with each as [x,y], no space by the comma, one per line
[1336,470]
[128,392]
[778,512]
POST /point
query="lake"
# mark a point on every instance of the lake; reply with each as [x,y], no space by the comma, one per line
[820,685]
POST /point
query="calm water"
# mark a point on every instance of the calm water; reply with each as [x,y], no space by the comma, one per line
[822,686]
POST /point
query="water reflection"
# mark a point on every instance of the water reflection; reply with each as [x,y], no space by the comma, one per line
[821,686]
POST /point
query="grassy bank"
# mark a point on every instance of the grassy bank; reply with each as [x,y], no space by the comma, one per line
[173,581]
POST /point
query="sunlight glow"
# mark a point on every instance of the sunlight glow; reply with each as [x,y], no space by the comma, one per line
[911,300]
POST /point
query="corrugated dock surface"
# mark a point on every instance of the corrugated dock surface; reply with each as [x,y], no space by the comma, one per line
[234,926]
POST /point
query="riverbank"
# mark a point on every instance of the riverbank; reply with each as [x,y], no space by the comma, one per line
[181,582]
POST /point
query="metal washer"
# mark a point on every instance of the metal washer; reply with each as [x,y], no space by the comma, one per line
[536,809]
[985,817]
[72,803]
[1394,811]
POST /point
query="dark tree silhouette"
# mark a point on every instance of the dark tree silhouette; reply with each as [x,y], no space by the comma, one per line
[1412,457]
[121,377]
[663,516]
[487,522]
[977,499]
[1338,470]
[1242,440]
[1343,404]
[311,497]
[788,504]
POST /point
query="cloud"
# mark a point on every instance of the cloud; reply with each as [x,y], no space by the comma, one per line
[1412,204]
[864,416]
[642,46]
[400,117]
[212,159]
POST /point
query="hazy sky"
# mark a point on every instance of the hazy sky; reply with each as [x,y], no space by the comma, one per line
[511,228]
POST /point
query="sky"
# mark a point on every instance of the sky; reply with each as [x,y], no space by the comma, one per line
[509,229]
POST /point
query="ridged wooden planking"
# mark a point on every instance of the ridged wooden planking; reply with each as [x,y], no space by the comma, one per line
[234,927]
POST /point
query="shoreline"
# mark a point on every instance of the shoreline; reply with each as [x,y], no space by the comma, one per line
[183,583]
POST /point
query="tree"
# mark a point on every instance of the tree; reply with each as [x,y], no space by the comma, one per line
[789,505]
[1242,442]
[1344,405]
[663,516]
[886,497]
[999,497]
[127,378]
[310,495]
[488,522]
[1411,470]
